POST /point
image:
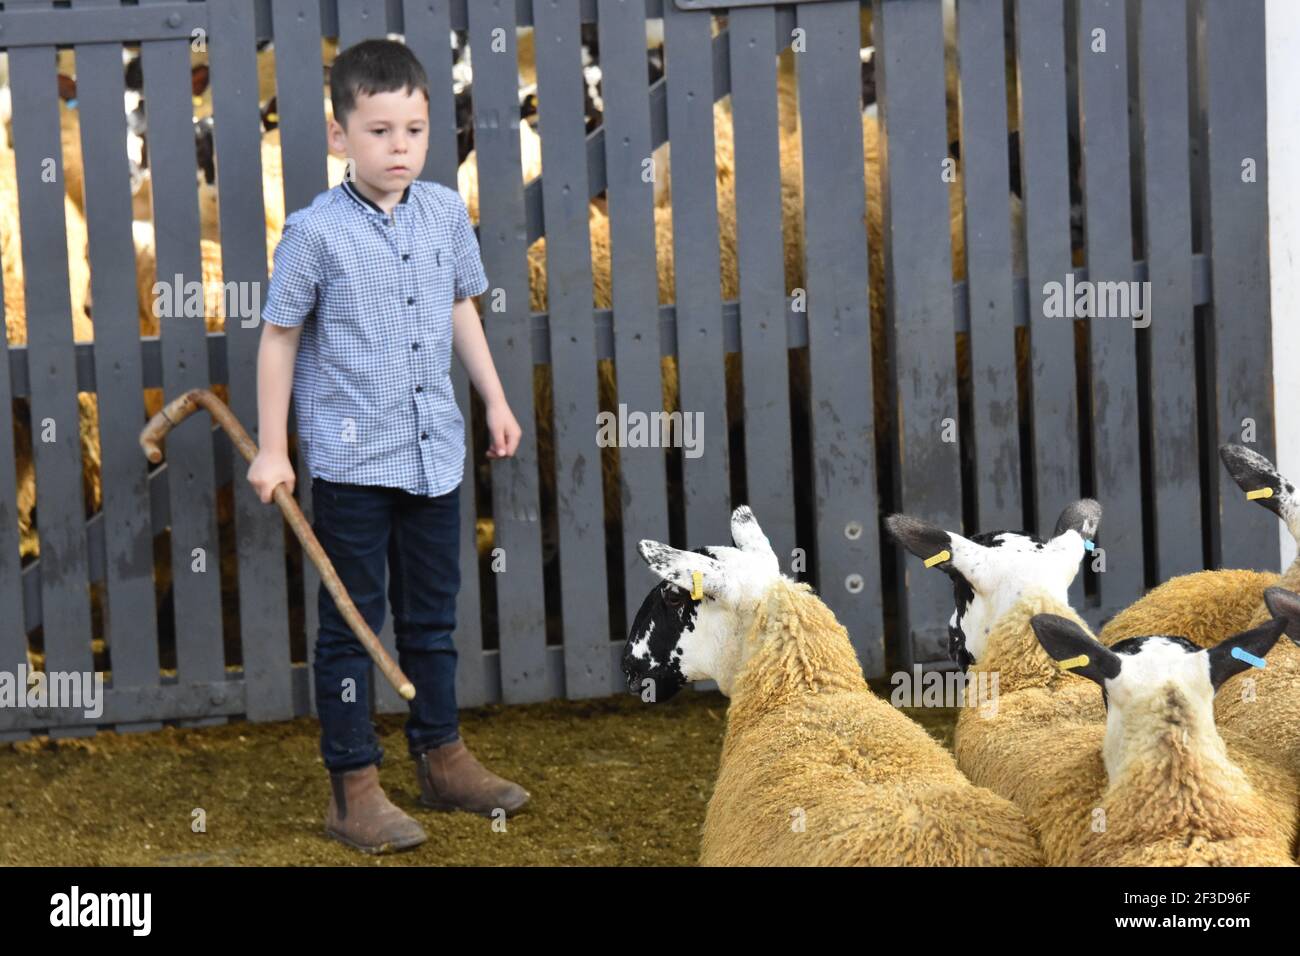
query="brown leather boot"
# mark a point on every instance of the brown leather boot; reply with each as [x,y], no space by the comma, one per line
[452,779]
[361,816]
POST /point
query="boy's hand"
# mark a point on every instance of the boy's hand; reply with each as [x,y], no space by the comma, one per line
[268,470]
[503,431]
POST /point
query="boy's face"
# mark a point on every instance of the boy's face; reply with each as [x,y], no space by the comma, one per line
[387,135]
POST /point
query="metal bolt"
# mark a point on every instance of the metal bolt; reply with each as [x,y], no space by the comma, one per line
[173,19]
[853,530]
[854,583]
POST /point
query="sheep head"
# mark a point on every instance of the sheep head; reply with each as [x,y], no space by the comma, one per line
[1161,688]
[1253,472]
[692,624]
[990,571]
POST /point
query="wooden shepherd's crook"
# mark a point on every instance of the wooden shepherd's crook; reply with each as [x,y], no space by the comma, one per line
[179,409]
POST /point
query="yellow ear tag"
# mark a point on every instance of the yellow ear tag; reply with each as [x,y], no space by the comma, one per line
[1259,493]
[939,558]
[1080,661]
[697,585]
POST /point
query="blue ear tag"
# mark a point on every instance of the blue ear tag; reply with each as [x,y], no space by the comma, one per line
[71,104]
[1249,658]
[1089,544]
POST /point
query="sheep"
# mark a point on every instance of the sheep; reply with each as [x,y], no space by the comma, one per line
[1042,746]
[815,768]
[1177,792]
[530,154]
[1206,606]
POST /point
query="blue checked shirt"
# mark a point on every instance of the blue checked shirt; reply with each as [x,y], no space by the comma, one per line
[371,384]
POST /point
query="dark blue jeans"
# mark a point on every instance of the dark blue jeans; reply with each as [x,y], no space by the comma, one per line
[364,528]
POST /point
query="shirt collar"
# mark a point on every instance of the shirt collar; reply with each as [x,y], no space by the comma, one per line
[368,204]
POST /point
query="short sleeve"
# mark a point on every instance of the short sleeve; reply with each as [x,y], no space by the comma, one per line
[471,279]
[296,276]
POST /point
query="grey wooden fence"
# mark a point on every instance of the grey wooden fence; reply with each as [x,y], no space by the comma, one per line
[1133,418]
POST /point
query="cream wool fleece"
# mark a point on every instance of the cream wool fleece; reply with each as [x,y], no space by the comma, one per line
[1261,704]
[817,770]
[1213,799]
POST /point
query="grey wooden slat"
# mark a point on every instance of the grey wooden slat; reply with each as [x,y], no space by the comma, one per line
[426,29]
[578,485]
[130,630]
[1103,106]
[700,346]
[634,273]
[501,236]
[35,24]
[1044,170]
[361,20]
[259,530]
[427,23]
[992,347]
[1162,76]
[136,706]
[760,264]
[50,350]
[300,101]
[197,595]
[909,74]
[839,326]
[1237,246]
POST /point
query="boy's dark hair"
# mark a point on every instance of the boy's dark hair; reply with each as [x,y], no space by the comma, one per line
[370,67]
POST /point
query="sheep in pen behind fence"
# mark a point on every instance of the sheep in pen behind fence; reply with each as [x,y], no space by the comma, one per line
[792,183]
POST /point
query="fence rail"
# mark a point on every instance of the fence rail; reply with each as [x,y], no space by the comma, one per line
[1130,416]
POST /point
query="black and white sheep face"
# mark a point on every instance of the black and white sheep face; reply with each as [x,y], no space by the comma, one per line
[691,625]
[1150,684]
[1253,472]
[991,571]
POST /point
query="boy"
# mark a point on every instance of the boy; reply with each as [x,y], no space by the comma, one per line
[360,324]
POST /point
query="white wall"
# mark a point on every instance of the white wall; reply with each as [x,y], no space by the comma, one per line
[1283,56]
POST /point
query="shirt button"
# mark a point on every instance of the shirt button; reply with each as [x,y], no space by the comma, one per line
[415,346]
[423,435]
[410,300]
[419,388]
[405,256]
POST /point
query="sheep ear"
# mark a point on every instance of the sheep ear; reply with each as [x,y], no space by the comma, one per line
[923,539]
[928,541]
[679,567]
[747,535]
[1253,472]
[1285,605]
[1256,642]
[1082,516]
[1065,640]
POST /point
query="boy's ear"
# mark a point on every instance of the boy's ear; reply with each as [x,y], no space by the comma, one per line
[1256,642]
[1064,640]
